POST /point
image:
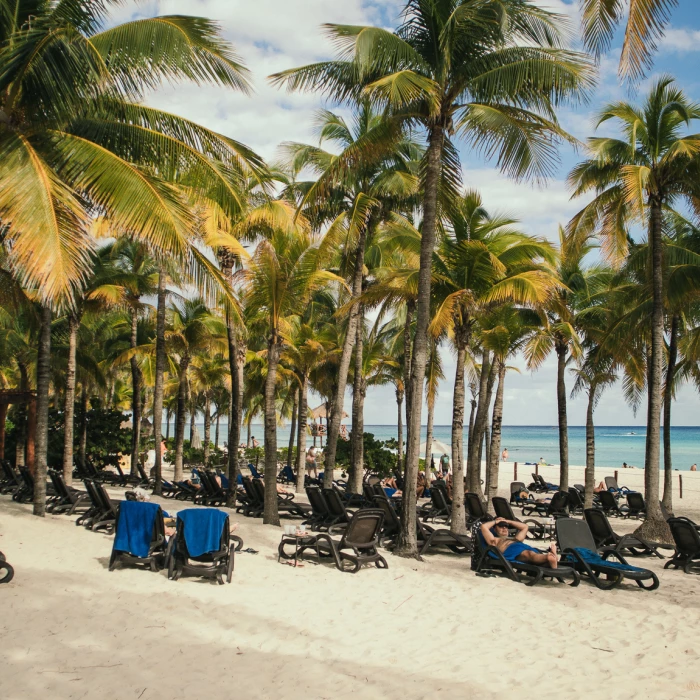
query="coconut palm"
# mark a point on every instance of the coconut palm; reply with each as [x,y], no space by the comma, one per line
[279,281]
[653,166]
[207,374]
[645,23]
[482,261]
[490,72]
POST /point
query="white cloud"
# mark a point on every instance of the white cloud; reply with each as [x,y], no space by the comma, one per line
[680,40]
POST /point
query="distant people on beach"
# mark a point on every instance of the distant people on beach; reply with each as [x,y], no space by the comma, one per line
[253,441]
[504,455]
[542,462]
[444,463]
[311,461]
[693,467]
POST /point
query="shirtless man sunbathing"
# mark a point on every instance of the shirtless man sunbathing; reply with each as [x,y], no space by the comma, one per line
[495,534]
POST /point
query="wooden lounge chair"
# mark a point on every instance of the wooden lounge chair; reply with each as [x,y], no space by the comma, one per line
[131,549]
[357,546]
[503,510]
[554,508]
[579,550]
[217,562]
[687,538]
[7,572]
[488,559]
[604,536]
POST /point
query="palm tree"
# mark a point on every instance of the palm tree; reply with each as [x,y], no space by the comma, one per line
[645,24]
[634,179]
[456,67]
[433,376]
[193,329]
[208,374]
[76,138]
[282,275]
[482,261]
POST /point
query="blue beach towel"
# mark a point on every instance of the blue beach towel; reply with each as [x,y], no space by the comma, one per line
[202,529]
[135,527]
[389,492]
[239,479]
[594,559]
[254,472]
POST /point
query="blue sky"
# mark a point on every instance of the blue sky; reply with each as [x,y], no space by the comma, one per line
[271,35]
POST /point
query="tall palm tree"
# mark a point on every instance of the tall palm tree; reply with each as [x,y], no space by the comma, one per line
[482,261]
[193,329]
[645,24]
[282,275]
[634,179]
[578,280]
[208,374]
[459,67]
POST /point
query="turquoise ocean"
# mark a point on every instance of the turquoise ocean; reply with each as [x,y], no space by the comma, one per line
[527,443]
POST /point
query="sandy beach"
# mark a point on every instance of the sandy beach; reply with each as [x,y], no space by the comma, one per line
[430,629]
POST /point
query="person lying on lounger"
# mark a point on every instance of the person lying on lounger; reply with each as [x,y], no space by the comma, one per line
[496,535]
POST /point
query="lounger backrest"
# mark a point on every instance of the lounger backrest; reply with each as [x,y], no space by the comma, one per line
[259,488]
[575,498]
[517,487]
[92,493]
[474,506]
[611,483]
[540,479]
[599,524]
[391,519]
[27,478]
[573,533]
[334,502]
[608,500]
[580,488]
[142,471]
[181,545]
[437,496]
[636,501]
[250,491]
[368,492]
[685,536]
[502,508]
[256,474]
[58,484]
[559,502]
[158,535]
[105,500]
[363,529]
[317,501]
[9,472]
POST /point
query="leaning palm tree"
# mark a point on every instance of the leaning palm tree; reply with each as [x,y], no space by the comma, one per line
[645,24]
[278,282]
[488,71]
[653,166]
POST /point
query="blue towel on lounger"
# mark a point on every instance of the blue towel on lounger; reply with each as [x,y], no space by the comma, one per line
[135,527]
[202,529]
[594,559]
[514,550]
[389,492]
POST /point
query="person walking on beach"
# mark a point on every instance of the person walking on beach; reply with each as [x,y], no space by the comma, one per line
[311,461]
[444,463]
[496,535]
[504,455]
[254,441]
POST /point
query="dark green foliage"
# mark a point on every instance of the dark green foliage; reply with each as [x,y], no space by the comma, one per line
[377,457]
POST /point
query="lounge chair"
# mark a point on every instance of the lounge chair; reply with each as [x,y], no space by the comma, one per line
[687,538]
[140,536]
[285,502]
[319,517]
[287,476]
[580,551]
[254,472]
[438,508]
[146,481]
[474,507]
[102,514]
[636,507]
[6,571]
[612,486]
[338,515]
[10,481]
[517,488]
[575,504]
[211,492]
[503,510]
[202,545]
[605,537]
[68,500]
[357,546]
[252,506]
[555,508]
[610,506]
[489,559]
[539,485]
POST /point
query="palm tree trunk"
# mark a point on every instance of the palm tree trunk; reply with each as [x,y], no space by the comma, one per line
[359,391]
[458,522]
[180,419]
[407,544]
[590,448]
[410,308]
[472,415]
[234,418]
[69,402]
[167,424]
[399,405]
[292,431]
[82,442]
[482,409]
[496,427]
[207,426]
[216,429]
[338,398]
[668,400]
[31,436]
[43,379]
[562,351]
[193,418]
[429,441]
[135,396]
[654,527]
[159,379]
[3,419]
[301,434]
[271,514]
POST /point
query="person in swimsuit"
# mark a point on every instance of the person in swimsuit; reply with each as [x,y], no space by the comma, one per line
[496,535]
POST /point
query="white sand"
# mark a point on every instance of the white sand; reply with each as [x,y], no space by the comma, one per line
[432,629]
